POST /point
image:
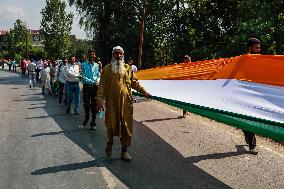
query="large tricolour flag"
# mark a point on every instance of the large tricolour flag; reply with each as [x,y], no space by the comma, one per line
[245,91]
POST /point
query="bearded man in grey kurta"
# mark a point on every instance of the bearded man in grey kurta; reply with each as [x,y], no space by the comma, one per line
[117,80]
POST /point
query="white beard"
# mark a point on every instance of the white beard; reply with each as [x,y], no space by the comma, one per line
[118,66]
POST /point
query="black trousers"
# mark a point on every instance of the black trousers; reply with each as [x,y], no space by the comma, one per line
[250,139]
[23,72]
[37,73]
[89,100]
[60,92]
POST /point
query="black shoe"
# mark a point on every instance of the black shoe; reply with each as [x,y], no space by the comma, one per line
[253,150]
[67,110]
[184,113]
[76,113]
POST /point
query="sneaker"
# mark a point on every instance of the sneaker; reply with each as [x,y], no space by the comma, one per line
[125,156]
[253,150]
[68,110]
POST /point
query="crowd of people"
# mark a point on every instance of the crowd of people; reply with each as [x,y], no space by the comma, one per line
[12,64]
[106,89]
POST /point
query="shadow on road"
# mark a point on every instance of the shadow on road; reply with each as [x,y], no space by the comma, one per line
[163,119]
[155,164]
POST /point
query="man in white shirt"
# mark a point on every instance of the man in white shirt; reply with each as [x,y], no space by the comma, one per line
[39,66]
[60,77]
[72,85]
[44,75]
[134,69]
[130,62]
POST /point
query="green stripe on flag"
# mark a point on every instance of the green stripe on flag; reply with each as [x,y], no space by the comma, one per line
[267,128]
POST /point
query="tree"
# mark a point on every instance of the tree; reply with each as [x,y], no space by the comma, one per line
[204,29]
[55,28]
[80,47]
[19,40]
[111,23]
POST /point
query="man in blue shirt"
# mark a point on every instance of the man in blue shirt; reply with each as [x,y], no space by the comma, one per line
[91,72]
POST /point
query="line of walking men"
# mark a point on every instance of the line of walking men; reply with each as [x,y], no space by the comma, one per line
[106,89]
[109,88]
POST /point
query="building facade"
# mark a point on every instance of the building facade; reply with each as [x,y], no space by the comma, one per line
[35,35]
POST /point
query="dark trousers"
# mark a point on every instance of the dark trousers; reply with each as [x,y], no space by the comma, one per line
[37,74]
[60,92]
[23,72]
[54,86]
[89,99]
[250,139]
[10,66]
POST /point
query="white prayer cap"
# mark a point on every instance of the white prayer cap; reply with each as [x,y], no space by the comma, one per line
[117,48]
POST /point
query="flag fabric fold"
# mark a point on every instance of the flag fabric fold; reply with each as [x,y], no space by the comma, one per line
[250,86]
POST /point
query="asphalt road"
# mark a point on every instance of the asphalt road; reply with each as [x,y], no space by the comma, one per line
[42,147]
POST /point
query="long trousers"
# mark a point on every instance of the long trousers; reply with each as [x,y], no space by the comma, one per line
[125,139]
[45,84]
[23,72]
[61,88]
[32,79]
[37,74]
[250,138]
[14,68]
[89,100]
[73,91]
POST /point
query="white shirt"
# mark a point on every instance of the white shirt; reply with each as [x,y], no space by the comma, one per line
[39,64]
[72,73]
[134,68]
[45,73]
[62,74]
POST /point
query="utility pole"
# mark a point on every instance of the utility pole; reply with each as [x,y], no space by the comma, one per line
[27,44]
[141,34]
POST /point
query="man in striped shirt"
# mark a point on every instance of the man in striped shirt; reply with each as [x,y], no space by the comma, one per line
[32,74]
